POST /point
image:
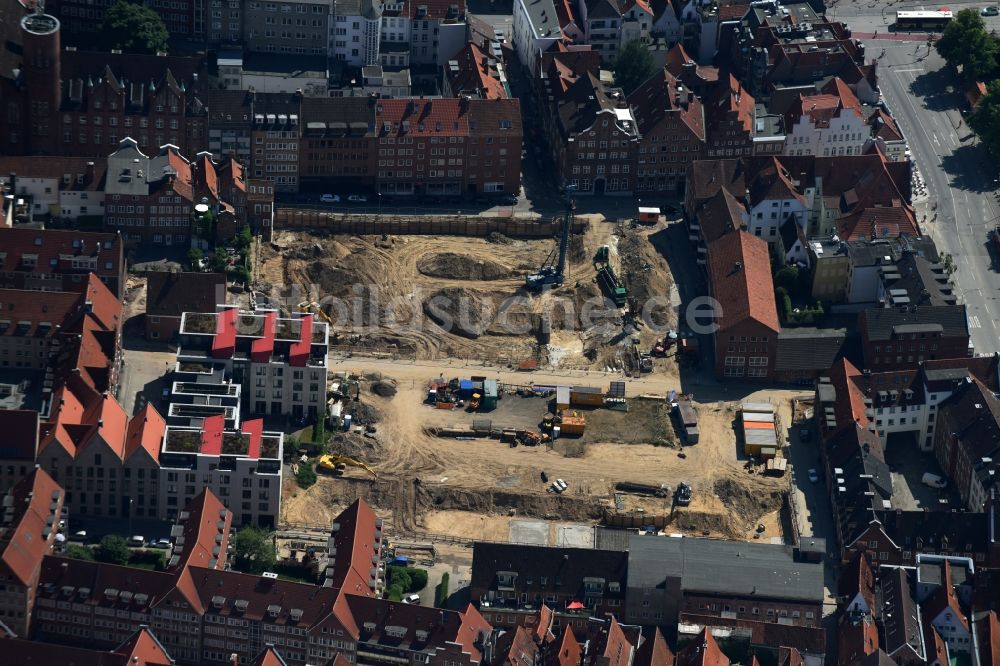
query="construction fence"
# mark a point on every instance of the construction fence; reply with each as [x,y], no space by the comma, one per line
[438,225]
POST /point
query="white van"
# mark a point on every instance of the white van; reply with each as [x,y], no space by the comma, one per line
[411,599]
[330,198]
[934,481]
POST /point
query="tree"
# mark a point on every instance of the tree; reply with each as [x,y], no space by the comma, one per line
[243,239]
[418,579]
[441,592]
[253,551]
[966,43]
[219,261]
[133,28]
[78,552]
[787,277]
[195,255]
[985,122]
[633,66]
[306,475]
[112,549]
[394,593]
[241,274]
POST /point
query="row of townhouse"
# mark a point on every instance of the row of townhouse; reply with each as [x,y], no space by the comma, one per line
[348,30]
[442,147]
[858,412]
[58,260]
[929,613]
[648,581]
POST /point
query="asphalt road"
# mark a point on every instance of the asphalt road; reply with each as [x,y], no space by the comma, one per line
[925,99]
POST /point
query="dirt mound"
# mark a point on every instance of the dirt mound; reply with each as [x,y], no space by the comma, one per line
[454,266]
[353,445]
[386,389]
[460,312]
[498,238]
[749,498]
[362,413]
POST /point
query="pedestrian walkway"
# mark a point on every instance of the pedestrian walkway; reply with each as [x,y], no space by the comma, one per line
[894,36]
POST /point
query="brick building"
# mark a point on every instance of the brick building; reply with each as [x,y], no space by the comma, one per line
[56,260]
[336,143]
[671,124]
[152,199]
[33,517]
[729,113]
[595,138]
[895,338]
[170,294]
[739,271]
[82,104]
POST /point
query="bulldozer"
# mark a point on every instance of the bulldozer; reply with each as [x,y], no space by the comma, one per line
[337,465]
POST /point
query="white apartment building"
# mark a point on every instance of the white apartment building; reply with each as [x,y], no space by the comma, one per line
[828,124]
[64,188]
[355,30]
[536,28]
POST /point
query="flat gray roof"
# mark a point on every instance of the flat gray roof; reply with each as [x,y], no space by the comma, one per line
[723,567]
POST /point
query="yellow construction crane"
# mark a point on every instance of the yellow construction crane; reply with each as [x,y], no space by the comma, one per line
[337,464]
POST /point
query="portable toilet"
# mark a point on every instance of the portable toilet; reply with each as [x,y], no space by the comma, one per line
[489,394]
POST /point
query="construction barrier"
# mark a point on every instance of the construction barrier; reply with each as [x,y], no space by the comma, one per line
[459,225]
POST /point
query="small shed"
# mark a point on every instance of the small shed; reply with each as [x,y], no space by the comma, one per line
[688,417]
[649,215]
[465,388]
[562,397]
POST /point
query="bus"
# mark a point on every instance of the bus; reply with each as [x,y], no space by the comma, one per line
[923,20]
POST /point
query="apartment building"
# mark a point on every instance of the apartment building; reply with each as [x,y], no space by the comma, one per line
[900,337]
[450,147]
[299,28]
[222,24]
[537,27]
[152,199]
[140,649]
[230,114]
[57,189]
[81,104]
[336,144]
[829,123]
[203,613]
[609,24]
[274,136]
[967,441]
[184,19]
[33,516]
[278,364]
[356,28]
[56,260]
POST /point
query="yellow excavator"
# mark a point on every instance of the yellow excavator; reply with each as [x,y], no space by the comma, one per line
[313,307]
[334,464]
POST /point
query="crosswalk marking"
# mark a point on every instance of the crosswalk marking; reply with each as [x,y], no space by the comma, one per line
[974,322]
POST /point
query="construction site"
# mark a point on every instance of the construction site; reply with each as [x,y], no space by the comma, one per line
[480,432]
[564,301]
[464,473]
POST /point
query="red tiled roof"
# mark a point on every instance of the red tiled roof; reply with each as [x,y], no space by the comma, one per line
[357,531]
[426,117]
[63,425]
[617,650]
[654,651]
[569,651]
[857,637]
[183,184]
[20,428]
[732,98]
[989,639]
[884,126]
[145,431]
[475,74]
[733,12]
[657,97]
[740,273]
[943,598]
[879,222]
[23,541]
[142,649]
[35,308]
[269,657]
[702,651]
[850,405]
[109,422]
[858,577]
[205,514]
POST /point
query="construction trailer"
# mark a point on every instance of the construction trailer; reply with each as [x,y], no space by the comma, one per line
[688,418]
[562,397]
[590,396]
[490,394]
[760,439]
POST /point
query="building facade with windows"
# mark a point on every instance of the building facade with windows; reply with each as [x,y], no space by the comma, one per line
[299,27]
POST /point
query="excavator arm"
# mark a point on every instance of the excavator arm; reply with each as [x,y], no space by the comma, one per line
[330,463]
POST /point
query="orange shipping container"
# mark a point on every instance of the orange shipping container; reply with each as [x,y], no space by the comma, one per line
[573,425]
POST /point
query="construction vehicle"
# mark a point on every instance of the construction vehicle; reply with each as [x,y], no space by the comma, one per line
[553,272]
[683,495]
[337,465]
[314,308]
[608,281]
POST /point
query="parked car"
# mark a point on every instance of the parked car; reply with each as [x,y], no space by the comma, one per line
[358,198]
[161,543]
[508,200]
[933,480]
[137,541]
[813,476]
[79,536]
[990,11]
[330,198]
[411,599]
